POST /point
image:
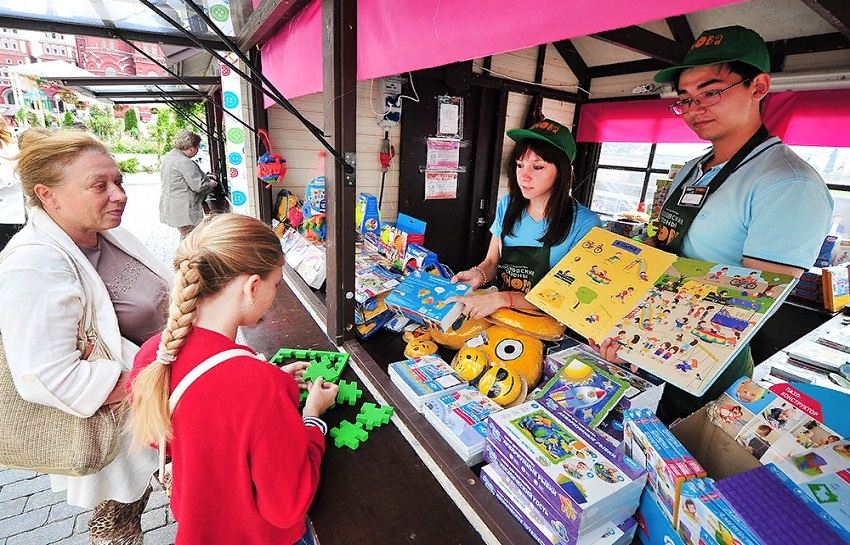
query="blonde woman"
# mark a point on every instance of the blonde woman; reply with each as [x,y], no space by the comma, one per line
[245,462]
[76,201]
[184,186]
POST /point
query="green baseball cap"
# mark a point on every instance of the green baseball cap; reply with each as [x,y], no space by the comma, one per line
[720,45]
[548,131]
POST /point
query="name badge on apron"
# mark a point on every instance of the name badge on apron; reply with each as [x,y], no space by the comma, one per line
[693,196]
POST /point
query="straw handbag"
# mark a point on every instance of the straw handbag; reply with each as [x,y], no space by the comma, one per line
[42,438]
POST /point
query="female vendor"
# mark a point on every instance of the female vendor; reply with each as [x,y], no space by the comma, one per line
[536,224]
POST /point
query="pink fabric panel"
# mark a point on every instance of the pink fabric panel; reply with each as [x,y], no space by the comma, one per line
[406,35]
[802,118]
[292,60]
[632,121]
[811,118]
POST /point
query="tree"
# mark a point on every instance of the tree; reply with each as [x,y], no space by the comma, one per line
[164,130]
[585,295]
[689,268]
[102,122]
[67,119]
[131,122]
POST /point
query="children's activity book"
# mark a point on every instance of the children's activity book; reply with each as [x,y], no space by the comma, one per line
[680,319]
[422,297]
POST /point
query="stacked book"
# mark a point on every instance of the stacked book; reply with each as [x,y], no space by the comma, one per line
[818,354]
[423,379]
[578,482]
[810,286]
[461,418]
[541,530]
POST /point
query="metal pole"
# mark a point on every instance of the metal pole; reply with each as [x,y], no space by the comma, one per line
[271,92]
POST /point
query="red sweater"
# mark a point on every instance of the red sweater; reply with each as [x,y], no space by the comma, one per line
[245,466]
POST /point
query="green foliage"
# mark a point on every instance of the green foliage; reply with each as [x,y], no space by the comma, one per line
[164,130]
[141,146]
[102,122]
[131,122]
[67,119]
[130,166]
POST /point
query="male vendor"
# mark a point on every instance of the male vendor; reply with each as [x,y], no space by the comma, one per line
[749,201]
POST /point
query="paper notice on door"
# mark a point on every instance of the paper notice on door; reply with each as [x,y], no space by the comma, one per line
[440,185]
[443,154]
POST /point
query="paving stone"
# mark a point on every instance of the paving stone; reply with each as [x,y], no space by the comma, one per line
[158,499]
[43,499]
[24,488]
[24,522]
[81,523]
[161,536]
[154,519]
[62,511]
[12,507]
[11,475]
[74,540]
[47,534]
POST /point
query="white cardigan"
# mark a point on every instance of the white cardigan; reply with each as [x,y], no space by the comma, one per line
[41,304]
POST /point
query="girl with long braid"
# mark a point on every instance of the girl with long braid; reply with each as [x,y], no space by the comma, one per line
[245,463]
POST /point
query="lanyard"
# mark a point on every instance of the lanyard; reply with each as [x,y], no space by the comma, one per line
[684,204]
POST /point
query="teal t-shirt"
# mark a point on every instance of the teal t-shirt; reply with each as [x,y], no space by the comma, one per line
[527,232]
[774,207]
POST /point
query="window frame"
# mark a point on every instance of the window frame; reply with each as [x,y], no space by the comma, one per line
[647,171]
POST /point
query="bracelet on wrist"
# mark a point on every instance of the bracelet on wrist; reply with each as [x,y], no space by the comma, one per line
[482,273]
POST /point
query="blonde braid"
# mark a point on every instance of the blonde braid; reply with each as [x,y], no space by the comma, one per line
[151,416]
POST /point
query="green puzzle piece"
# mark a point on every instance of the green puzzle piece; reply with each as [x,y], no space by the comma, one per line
[348,392]
[328,365]
[348,435]
[371,416]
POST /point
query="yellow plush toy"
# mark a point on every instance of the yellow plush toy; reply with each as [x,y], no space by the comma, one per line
[532,322]
[518,351]
[504,386]
[459,332]
[417,348]
[470,363]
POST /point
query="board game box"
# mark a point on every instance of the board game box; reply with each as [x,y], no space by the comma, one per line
[580,477]
[549,532]
[585,389]
[461,418]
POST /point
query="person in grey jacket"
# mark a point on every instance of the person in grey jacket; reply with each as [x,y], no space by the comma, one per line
[184,186]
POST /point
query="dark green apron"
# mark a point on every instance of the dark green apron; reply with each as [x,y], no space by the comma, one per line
[682,207]
[520,268]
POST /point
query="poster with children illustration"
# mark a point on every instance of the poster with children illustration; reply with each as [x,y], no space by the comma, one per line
[596,283]
[696,318]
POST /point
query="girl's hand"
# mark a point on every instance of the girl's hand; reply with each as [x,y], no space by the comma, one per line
[481,305]
[470,277]
[608,350]
[297,371]
[321,397]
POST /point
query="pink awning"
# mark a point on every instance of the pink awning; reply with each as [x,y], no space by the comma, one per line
[800,118]
[406,35]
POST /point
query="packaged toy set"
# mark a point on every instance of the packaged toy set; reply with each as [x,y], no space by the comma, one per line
[423,379]
[422,296]
[461,418]
[577,480]
[539,528]
[668,464]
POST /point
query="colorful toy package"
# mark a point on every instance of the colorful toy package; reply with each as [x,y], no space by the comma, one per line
[668,463]
[423,379]
[543,531]
[587,391]
[821,478]
[422,297]
[706,517]
[774,423]
[461,418]
[568,472]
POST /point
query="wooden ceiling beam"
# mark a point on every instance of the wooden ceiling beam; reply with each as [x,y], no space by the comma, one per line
[645,42]
[836,12]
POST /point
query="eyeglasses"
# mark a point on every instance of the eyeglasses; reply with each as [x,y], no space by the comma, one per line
[706,99]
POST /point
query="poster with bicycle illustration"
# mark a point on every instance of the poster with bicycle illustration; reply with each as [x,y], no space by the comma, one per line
[683,320]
